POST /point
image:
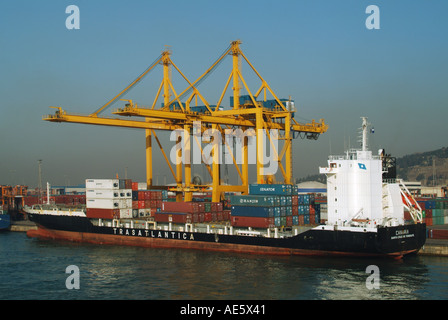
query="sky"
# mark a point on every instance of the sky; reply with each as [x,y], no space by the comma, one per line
[318,52]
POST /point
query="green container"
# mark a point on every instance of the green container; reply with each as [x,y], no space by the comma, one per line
[437,212]
[283,221]
[207,206]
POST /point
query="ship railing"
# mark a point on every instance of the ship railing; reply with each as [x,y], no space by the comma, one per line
[410,203]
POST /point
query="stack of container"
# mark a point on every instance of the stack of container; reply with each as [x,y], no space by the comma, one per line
[435,211]
[108,198]
[264,207]
[179,212]
[146,202]
[194,212]
[278,205]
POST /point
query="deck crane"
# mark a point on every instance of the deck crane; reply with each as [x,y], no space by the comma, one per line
[175,114]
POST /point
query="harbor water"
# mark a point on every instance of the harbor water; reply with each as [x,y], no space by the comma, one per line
[36,269]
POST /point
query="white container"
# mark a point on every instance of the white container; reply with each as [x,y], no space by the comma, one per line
[142,186]
[126,213]
[102,194]
[109,194]
[109,203]
[125,203]
[102,184]
[103,203]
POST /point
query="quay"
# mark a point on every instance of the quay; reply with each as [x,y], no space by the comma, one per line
[432,247]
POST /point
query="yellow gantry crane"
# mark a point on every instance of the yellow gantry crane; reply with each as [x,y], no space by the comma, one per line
[250,116]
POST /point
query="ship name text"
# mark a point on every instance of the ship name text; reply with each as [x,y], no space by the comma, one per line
[153,233]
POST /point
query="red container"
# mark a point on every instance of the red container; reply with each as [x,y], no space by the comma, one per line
[421,204]
[214,217]
[153,204]
[289,221]
[428,213]
[159,204]
[207,217]
[312,219]
[312,210]
[428,221]
[295,210]
[134,204]
[189,207]
[215,206]
[219,215]
[254,222]
[147,204]
[141,204]
[102,213]
[156,195]
[141,195]
[174,217]
[226,215]
[438,234]
[301,220]
[295,200]
[407,216]
[134,186]
[201,217]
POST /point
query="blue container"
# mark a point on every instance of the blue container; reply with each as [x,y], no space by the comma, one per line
[277,200]
[270,189]
[295,220]
[246,211]
[277,221]
[288,211]
[277,211]
[5,220]
[304,209]
[306,219]
[283,201]
[282,211]
[251,200]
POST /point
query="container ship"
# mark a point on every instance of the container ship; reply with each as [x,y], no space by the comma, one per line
[366,215]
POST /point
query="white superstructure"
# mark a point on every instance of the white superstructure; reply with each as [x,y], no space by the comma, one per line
[357,195]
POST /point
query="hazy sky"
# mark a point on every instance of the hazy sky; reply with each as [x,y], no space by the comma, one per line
[318,52]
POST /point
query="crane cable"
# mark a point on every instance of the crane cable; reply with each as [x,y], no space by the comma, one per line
[129,87]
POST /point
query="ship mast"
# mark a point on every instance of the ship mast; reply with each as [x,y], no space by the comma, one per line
[364,133]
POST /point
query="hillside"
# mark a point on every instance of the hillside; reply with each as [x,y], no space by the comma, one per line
[424,166]
[413,167]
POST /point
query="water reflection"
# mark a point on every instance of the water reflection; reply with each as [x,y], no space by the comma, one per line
[36,270]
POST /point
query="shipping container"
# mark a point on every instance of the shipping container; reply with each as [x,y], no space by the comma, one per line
[295,210]
[174,217]
[126,213]
[109,203]
[253,222]
[109,193]
[187,207]
[102,184]
[295,220]
[270,189]
[215,206]
[264,212]
[251,200]
[102,213]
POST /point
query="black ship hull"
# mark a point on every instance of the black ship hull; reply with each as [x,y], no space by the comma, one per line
[386,241]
